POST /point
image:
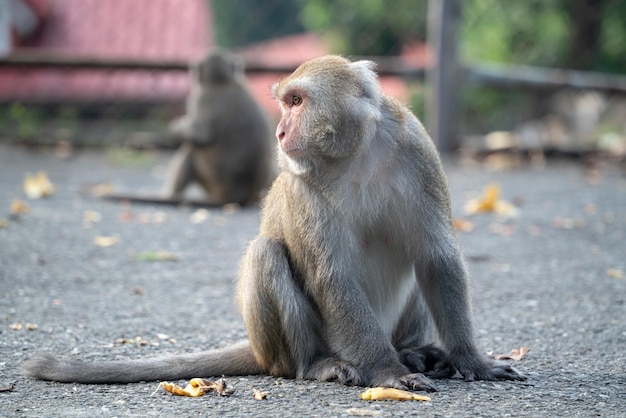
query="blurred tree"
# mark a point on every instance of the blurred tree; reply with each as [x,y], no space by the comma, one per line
[242,22]
[586,18]
[517,32]
[366,27]
[611,54]
[579,34]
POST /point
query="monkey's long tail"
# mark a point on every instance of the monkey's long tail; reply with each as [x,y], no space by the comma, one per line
[235,360]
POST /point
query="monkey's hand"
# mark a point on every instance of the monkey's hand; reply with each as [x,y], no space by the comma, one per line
[430,360]
[180,128]
[413,381]
[331,370]
[478,368]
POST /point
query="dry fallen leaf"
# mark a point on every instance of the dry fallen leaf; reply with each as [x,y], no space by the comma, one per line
[31,326]
[259,395]
[18,207]
[615,273]
[132,341]
[594,176]
[157,256]
[126,215]
[15,327]
[91,216]
[158,217]
[101,241]
[231,208]
[569,223]
[198,387]
[38,185]
[591,209]
[489,202]
[102,189]
[199,216]
[151,218]
[515,354]
[501,229]
[360,412]
[463,225]
[381,394]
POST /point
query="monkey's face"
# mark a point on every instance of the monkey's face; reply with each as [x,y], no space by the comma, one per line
[325,112]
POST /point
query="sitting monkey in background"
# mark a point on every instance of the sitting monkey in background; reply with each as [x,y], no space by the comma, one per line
[357,271]
[225,136]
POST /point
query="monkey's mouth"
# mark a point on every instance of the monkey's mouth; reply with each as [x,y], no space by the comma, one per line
[293,153]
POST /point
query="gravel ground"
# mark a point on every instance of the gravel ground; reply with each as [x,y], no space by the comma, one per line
[542,280]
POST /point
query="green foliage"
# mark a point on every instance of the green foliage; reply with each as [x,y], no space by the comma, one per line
[612,54]
[243,22]
[417,99]
[532,32]
[128,157]
[521,32]
[69,118]
[539,32]
[26,122]
[366,27]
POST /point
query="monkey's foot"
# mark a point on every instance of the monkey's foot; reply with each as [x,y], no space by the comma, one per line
[428,359]
[414,381]
[489,370]
[331,370]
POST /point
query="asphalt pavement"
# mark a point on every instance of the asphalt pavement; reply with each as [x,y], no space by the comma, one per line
[552,279]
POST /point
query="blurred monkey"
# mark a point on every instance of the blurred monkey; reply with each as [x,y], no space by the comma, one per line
[225,139]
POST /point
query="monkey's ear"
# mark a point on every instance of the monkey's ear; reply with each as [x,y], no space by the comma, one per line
[368,79]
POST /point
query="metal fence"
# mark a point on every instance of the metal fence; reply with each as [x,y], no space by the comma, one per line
[114,71]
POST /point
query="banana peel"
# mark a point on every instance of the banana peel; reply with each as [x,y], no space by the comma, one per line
[198,387]
[382,394]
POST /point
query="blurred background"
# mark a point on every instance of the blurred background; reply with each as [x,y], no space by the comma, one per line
[532,75]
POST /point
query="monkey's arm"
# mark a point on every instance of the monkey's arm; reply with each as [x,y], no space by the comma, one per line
[442,276]
[353,330]
[355,333]
[195,130]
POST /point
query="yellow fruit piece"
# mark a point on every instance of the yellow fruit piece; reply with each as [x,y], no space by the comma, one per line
[195,387]
[380,394]
[198,387]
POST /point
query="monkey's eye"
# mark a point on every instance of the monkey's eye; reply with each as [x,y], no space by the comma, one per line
[296,100]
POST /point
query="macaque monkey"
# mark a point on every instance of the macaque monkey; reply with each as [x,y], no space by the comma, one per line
[356,273]
[225,136]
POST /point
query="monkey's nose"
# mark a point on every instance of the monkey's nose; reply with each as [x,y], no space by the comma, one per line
[280,135]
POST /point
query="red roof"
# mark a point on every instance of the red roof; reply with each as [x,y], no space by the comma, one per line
[138,29]
[155,30]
